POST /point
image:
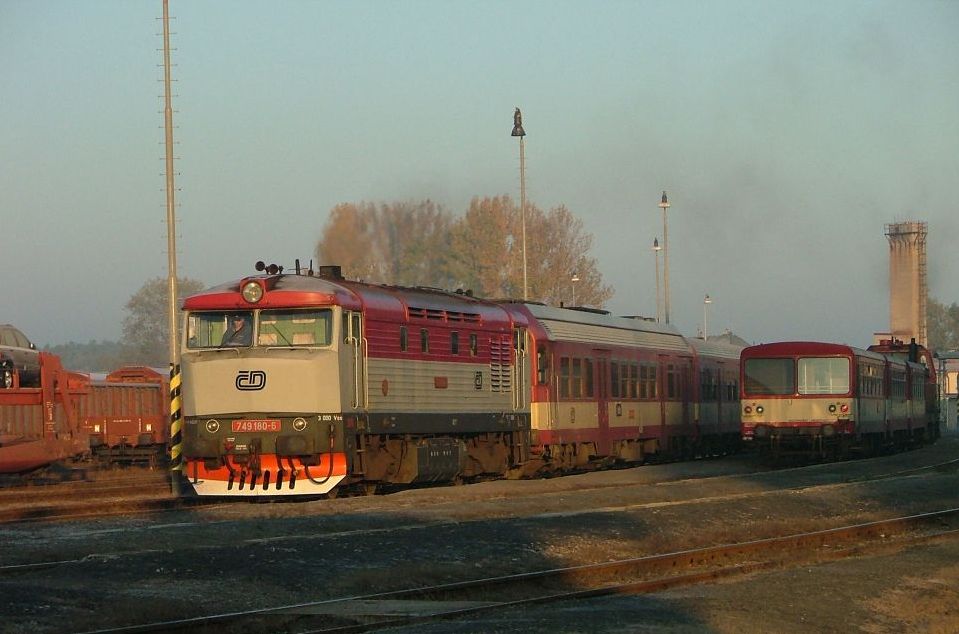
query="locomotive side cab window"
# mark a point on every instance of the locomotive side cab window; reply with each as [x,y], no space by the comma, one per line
[454,342]
[823,375]
[770,377]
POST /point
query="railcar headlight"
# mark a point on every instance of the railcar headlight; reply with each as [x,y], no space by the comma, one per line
[832,408]
[213,425]
[252,292]
[760,409]
[299,424]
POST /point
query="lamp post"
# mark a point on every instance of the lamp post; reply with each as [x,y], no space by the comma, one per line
[519,132]
[656,250]
[706,302]
[574,279]
[664,205]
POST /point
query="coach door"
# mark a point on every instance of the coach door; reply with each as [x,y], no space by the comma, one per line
[356,353]
[601,390]
[521,386]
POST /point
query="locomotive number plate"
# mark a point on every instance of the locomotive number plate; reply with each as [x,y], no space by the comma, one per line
[260,425]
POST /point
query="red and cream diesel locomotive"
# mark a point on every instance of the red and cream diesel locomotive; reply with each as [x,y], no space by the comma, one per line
[825,398]
[342,384]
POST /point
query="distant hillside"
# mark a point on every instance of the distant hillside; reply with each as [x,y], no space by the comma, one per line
[94,356]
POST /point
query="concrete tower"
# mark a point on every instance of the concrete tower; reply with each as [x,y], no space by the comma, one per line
[907,280]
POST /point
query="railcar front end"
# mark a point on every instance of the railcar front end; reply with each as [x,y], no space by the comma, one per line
[801,396]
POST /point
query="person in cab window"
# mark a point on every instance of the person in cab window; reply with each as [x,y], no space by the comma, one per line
[239,332]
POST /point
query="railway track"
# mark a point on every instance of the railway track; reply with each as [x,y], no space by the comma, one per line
[632,576]
[104,496]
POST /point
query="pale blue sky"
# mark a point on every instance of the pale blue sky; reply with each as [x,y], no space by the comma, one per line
[786,133]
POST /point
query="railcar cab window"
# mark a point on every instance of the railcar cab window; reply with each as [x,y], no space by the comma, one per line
[273,328]
[823,375]
[770,377]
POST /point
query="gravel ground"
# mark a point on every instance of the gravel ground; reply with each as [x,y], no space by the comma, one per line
[238,556]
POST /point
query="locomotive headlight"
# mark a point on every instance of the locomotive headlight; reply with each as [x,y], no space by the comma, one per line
[832,408]
[252,292]
[759,409]
[213,425]
[299,424]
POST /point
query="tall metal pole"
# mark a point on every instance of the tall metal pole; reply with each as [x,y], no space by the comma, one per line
[656,250]
[706,302]
[664,205]
[170,192]
[176,420]
[518,131]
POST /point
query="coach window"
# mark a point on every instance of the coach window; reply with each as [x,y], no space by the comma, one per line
[647,375]
[577,387]
[404,339]
[424,340]
[474,345]
[588,377]
[454,342]
[564,377]
[542,365]
[672,385]
[614,379]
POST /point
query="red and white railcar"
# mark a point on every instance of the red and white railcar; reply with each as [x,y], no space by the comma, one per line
[824,397]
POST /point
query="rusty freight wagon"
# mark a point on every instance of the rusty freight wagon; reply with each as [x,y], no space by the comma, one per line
[69,415]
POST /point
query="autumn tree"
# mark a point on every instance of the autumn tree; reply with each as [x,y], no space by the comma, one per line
[480,243]
[488,254]
[420,244]
[145,328]
[942,326]
[404,243]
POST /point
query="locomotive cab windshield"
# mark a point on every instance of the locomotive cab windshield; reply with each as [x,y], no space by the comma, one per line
[283,328]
